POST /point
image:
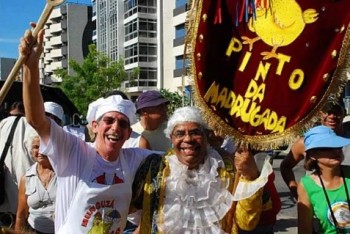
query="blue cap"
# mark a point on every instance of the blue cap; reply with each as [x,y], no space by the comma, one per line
[323,137]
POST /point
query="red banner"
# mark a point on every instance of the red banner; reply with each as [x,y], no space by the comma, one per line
[263,69]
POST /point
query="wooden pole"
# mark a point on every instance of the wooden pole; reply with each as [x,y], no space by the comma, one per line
[50,4]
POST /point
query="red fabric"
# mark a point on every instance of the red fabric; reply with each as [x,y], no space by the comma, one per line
[310,53]
[269,216]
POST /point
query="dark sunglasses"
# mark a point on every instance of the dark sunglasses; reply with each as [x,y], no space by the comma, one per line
[122,123]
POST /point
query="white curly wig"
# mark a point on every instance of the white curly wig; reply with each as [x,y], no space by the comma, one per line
[184,114]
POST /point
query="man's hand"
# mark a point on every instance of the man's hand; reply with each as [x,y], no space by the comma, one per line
[31,48]
[245,163]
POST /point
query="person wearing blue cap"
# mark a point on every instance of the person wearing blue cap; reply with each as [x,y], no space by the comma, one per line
[325,192]
[331,115]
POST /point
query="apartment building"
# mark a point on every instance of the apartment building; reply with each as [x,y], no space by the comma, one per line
[67,36]
[6,65]
[148,35]
[175,65]
[128,30]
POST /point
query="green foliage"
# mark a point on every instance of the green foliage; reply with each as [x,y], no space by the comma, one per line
[176,100]
[92,79]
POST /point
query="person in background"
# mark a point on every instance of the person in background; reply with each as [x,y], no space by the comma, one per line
[223,145]
[325,192]
[152,109]
[16,109]
[77,128]
[55,112]
[37,195]
[189,190]
[331,115]
[17,160]
[93,181]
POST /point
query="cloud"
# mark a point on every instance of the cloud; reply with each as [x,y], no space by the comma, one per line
[9,40]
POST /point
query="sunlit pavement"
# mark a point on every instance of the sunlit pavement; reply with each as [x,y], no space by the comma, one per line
[287,218]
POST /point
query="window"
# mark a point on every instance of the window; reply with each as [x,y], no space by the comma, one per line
[131,30]
[180,3]
[180,31]
[179,62]
[131,54]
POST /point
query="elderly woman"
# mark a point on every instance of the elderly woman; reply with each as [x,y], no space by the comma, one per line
[37,194]
[328,182]
[190,189]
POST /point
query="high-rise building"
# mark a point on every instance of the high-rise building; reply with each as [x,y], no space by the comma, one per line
[149,35]
[67,36]
[6,65]
[128,30]
[174,63]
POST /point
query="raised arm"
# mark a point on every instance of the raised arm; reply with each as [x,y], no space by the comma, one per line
[31,49]
[295,155]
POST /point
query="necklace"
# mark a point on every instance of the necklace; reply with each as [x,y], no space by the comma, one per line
[43,194]
[45,178]
[338,230]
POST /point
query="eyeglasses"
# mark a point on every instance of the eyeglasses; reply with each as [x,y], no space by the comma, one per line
[337,114]
[194,134]
[122,123]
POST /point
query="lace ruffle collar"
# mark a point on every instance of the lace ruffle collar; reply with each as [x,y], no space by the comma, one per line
[196,200]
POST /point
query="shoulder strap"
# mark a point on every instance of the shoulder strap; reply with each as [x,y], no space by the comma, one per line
[9,140]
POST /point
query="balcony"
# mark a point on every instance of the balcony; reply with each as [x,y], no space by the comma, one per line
[55,28]
[180,72]
[56,53]
[179,41]
[56,41]
[181,9]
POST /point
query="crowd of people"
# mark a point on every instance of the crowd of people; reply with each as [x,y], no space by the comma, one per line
[161,174]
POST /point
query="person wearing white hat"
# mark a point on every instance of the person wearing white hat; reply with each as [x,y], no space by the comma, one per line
[189,190]
[54,111]
[94,181]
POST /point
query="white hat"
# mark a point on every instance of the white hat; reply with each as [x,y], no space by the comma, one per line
[184,114]
[112,103]
[54,109]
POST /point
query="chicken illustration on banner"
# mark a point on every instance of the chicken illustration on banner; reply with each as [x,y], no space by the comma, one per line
[262,69]
[279,28]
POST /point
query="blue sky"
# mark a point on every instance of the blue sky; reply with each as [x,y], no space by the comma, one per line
[15,16]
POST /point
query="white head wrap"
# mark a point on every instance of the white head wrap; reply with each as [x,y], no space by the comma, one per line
[184,114]
[54,109]
[112,103]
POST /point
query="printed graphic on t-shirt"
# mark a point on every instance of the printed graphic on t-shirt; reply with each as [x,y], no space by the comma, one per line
[342,215]
[103,179]
[102,218]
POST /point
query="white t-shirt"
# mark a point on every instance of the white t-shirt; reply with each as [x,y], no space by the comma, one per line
[79,131]
[18,158]
[70,157]
[133,141]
